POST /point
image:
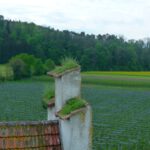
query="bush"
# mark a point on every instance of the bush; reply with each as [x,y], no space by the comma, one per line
[49,65]
[25,65]
[6,73]
[29,61]
[38,67]
[19,68]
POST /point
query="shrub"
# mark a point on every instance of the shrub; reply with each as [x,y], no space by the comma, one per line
[49,65]
[38,67]
[18,67]
[29,61]
[6,73]
[25,65]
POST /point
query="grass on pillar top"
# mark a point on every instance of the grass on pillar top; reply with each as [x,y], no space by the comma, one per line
[48,97]
[71,106]
[66,64]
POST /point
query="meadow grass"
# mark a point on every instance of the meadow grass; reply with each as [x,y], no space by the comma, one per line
[6,73]
[109,80]
[128,79]
[118,73]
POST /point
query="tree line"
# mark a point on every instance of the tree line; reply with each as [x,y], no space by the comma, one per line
[101,52]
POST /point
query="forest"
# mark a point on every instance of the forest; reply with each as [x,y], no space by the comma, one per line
[94,52]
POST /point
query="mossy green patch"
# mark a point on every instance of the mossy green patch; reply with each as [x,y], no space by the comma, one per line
[66,64]
[48,96]
[72,105]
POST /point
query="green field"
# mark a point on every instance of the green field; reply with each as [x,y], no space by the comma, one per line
[123,79]
[120,102]
[118,73]
[6,73]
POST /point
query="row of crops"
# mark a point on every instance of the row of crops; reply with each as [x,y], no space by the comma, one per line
[123,79]
[120,113]
[121,117]
[21,101]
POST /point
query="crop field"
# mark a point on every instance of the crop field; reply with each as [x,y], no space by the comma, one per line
[118,73]
[123,79]
[120,117]
[121,110]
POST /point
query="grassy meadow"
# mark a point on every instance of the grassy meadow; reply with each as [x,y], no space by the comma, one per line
[6,73]
[123,79]
[120,103]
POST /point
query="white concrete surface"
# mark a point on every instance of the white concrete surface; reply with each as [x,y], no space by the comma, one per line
[51,114]
[77,132]
[66,87]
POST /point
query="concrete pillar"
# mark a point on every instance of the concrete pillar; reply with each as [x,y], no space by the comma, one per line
[67,86]
[51,113]
[77,131]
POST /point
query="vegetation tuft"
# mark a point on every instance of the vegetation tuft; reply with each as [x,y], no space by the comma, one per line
[48,96]
[72,105]
[66,64]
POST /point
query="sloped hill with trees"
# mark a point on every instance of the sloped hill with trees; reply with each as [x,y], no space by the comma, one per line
[101,52]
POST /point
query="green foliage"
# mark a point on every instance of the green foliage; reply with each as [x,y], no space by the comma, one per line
[48,96]
[38,67]
[66,64]
[6,73]
[30,63]
[101,52]
[72,105]
[25,65]
[19,68]
[49,65]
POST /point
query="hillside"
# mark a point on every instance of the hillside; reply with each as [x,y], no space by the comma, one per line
[101,52]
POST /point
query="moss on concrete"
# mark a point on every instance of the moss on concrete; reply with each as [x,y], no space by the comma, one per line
[66,64]
[72,105]
[82,117]
[48,97]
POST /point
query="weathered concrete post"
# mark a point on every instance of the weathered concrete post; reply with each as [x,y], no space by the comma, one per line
[67,86]
[76,130]
[51,111]
[75,127]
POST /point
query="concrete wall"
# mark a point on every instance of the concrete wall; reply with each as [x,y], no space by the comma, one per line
[77,131]
[66,87]
[51,114]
